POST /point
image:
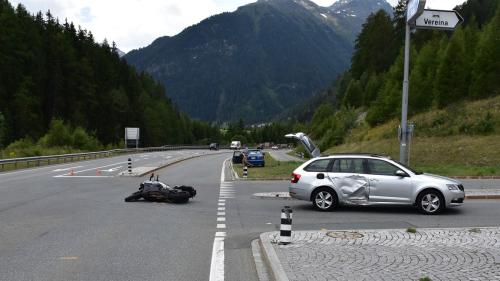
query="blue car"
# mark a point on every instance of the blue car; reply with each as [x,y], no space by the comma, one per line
[256,158]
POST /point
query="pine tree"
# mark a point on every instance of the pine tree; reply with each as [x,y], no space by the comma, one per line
[354,94]
[486,66]
[451,77]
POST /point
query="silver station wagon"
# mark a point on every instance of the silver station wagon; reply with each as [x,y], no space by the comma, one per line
[367,179]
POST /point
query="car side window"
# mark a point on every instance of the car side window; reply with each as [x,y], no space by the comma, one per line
[379,167]
[318,166]
[348,165]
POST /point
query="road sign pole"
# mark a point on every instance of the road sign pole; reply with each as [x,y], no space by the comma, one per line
[403,148]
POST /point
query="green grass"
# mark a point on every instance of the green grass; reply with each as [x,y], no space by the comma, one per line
[411,230]
[274,170]
[460,140]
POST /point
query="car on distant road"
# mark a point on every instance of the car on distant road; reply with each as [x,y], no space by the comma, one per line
[369,179]
[237,157]
[214,146]
[275,147]
[235,145]
[256,158]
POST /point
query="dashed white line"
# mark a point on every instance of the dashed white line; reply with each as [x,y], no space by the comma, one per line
[221,219]
[221,225]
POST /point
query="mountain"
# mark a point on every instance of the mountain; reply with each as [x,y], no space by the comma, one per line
[353,13]
[255,62]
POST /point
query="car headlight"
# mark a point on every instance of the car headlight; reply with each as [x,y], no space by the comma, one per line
[452,186]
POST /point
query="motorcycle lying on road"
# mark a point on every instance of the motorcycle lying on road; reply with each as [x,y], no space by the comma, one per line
[157,191]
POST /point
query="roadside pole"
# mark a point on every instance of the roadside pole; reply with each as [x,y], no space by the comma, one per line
[414,8]
[403,148]
[418,18]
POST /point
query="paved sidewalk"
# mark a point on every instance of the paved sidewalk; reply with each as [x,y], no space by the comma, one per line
[439,254]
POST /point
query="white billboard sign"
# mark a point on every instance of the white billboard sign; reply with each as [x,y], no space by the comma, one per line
[131,133]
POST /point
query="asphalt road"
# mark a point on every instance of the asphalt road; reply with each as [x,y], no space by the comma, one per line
[79,228]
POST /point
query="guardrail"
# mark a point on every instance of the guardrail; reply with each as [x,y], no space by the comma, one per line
[27,162]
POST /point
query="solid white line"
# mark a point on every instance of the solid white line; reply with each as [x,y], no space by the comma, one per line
[217,264]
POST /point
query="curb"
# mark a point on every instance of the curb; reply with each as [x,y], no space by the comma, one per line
[271,258]
[477,177]
[483,196]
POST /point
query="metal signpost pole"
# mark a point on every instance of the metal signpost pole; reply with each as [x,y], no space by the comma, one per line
[403,151]
[414,8]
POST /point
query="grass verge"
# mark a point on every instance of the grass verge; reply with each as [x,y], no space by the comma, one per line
[274,170]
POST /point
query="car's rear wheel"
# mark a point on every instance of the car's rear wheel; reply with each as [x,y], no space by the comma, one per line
[325,199]
[430,202]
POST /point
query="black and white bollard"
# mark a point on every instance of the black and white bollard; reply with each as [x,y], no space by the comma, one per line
[130,166]
[286,226]
[245,171]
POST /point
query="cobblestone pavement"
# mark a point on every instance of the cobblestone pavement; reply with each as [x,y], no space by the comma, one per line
[440,254]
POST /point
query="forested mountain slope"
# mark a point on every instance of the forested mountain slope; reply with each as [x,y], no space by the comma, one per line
[50,70]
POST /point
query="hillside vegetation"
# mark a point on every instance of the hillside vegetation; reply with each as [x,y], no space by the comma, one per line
[462,139]
[53,72]
[453,101]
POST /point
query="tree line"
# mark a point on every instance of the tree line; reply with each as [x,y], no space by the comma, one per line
[52,71]
[446,67]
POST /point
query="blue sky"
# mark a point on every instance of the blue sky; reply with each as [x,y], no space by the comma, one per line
[136,23]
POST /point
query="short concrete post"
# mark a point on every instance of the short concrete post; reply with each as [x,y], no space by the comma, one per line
[245,171]
[130,166]
[286,226]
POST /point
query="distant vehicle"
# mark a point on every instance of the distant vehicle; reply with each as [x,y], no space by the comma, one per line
[237,157]
[235,145]
[260,146]
[256,158]
[157,191]
[275,147]
[214,146]
[369,179]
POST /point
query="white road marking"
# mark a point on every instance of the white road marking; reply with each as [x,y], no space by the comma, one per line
[112,169]
[81,171]
[83,177]
[222,200]
[67,169]
[221,213]
[222,204]
[217,265]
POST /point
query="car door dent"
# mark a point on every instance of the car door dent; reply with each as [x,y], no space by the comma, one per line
[353,187]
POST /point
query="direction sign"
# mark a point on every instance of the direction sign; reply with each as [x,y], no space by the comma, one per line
[438,19]
[413,9]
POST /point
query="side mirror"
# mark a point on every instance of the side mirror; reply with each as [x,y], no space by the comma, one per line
[401,173]
[320,176]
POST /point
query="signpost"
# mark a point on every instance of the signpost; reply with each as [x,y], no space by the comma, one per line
[417,17]
[437,19]
[132,134]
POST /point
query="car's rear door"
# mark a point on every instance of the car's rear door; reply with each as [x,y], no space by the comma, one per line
[385,185]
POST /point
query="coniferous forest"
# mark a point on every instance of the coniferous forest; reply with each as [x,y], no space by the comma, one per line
[55,74]
[446,67]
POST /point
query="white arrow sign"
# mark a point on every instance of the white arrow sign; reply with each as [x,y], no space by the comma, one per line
[437,19]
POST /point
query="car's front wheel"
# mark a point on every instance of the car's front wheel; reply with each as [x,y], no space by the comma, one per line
[430,202]
[325,199]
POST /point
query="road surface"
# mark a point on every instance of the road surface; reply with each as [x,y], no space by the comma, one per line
[78,227]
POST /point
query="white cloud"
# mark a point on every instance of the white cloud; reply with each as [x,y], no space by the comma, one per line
[136,23]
